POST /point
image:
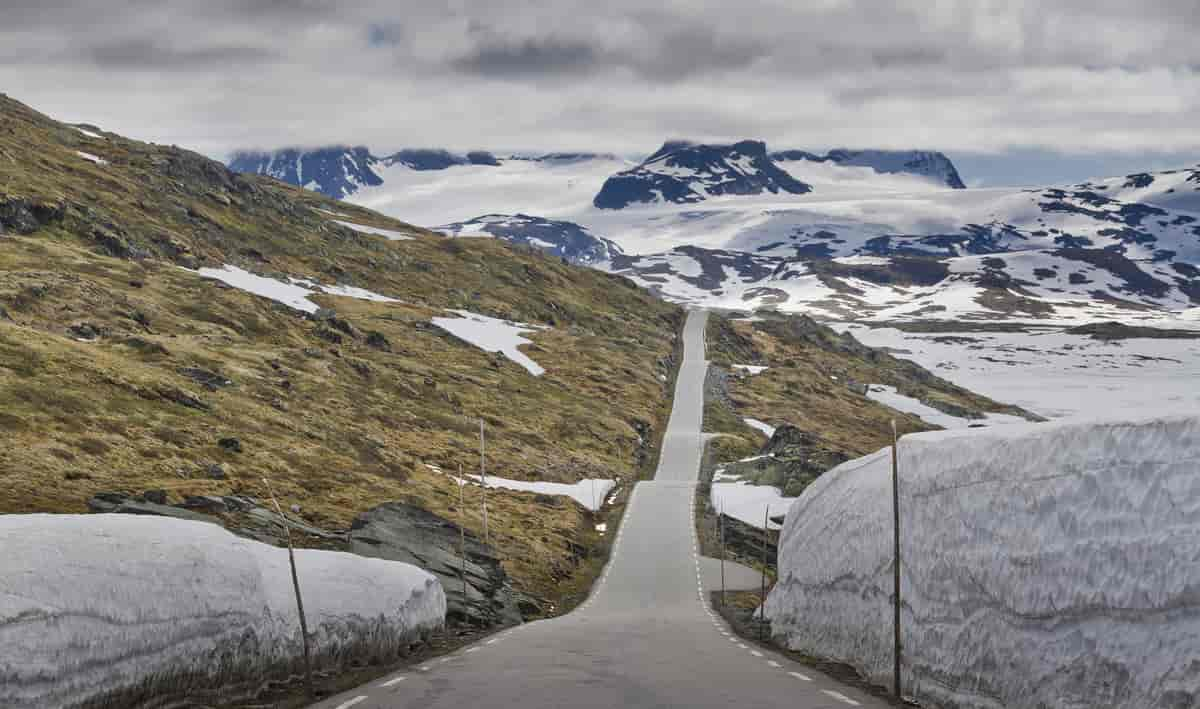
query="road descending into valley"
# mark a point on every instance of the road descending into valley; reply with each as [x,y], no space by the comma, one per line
[646,636]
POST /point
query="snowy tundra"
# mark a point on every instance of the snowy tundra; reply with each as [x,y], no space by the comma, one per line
[109,610]
[1043,565]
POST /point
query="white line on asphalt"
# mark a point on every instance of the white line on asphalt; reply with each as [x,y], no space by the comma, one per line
[352,702]
[425,668]
[471,649]
[841,697]
[390,682]
[773,663]
[797,675]
[742,645]
[756,653]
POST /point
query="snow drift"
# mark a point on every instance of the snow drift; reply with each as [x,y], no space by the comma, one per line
[112,609]
[1044,565]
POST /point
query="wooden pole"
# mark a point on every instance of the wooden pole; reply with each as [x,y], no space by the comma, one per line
[721,526]
[762,608]
[308,683]
[462,530]
[483,482]
[896,558]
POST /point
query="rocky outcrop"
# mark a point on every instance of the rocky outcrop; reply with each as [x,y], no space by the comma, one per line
[401,532]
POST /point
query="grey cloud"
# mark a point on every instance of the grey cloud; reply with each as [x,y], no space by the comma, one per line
[145,53]
[528,57]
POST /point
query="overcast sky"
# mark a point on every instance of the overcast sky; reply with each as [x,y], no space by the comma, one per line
[1015,91]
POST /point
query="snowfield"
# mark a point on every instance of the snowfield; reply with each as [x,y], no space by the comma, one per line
[1044,565]
[492,335]
[93,606]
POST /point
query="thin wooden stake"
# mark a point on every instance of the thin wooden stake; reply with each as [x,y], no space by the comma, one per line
[762,608]
[896,557]
[483,482]
[462,530]
[308,682]
[721,526]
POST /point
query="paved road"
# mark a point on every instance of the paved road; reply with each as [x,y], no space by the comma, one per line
[644,638]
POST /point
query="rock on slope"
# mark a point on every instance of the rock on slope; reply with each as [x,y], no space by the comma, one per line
[106,610]
[1043,565]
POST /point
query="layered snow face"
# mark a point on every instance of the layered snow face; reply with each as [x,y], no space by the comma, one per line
[492,335]
[92,606]
[293,293]
[1042,565]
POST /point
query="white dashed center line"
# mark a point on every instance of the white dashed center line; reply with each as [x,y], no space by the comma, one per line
[799,676]
[390,682]
[841,697]
[352,702]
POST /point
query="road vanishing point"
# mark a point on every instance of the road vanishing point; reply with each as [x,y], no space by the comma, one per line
[646,636]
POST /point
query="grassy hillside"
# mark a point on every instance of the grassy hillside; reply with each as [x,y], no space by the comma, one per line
[815,381]
[120,369]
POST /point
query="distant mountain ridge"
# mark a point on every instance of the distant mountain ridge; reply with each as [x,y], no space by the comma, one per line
[923,163]
[682,172]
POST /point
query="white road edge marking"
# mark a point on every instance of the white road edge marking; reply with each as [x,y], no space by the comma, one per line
[352,702]
[841,697]
[773,663]
[797,675]
[390,682]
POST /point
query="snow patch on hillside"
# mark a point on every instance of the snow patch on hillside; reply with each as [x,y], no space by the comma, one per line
[99,604]
[750,503]
[763,426]
[91,158]
[1043,565]
[589,492]
[391,234]
[293,293]
[492,335]
[888,396]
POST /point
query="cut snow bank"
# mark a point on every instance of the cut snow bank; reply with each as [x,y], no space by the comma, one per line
[102,607]
[1043,565]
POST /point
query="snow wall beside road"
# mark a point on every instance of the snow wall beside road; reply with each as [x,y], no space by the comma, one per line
[1044,565]
[111,609]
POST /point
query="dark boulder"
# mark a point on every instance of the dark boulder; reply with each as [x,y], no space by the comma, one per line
[416,536]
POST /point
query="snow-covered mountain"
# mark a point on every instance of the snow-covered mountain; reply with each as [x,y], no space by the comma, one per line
[867,234]
[922,163]
[339,171]
[681,172]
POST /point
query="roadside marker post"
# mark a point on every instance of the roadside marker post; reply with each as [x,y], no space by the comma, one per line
[483,482]
[308,685]
[762,607]
[721,524]
[462,529]
[896,558]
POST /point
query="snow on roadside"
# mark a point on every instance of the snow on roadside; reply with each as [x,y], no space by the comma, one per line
[589,492]
[751,368]
[888,396]
[1040,561]
[492,335]
[391,234]
[293,293]
[747,503]
[763,426]
[91,158]
[95,605]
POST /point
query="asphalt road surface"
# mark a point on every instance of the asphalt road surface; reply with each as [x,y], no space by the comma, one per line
[645,637]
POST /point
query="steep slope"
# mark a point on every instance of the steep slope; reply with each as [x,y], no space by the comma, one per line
[126,364]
